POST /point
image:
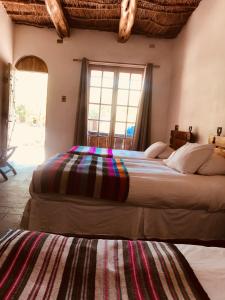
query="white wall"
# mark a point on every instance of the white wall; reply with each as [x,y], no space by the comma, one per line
[6,47]
[198,78]
[64,73]
[6,34]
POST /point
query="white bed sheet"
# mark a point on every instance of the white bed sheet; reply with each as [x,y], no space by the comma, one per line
[153,184]
[129,154]
[208,264]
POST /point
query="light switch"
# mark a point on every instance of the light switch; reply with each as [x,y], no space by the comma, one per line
[63,98]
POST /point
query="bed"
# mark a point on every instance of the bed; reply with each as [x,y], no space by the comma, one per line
[177,139]
[161,203]
[48,266]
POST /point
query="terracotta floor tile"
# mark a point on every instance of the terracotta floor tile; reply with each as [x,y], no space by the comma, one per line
[10,221]
[14,194]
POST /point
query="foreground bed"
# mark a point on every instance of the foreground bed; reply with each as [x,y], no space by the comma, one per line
[46,266]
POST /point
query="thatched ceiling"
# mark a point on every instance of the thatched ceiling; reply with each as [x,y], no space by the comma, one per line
[154,18]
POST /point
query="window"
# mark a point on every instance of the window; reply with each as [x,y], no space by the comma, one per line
[114,95]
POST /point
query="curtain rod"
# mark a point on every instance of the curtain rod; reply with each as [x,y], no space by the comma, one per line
[115,63]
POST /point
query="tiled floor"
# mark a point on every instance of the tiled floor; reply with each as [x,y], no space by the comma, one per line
[14,194]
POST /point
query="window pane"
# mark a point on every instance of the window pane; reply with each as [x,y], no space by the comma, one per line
[107,80]
[134,98]
[105,113]
[106,96]
[121,113]
[93,111]
[130,129]
[93,126]
[96,78]
[122,97]
[135,82]
[104,127]
[95,95]
[120,129]
[132,113]
[124,80]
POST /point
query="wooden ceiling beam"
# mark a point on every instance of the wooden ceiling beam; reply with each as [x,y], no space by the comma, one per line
[128,11]
[58,18]
[25,2]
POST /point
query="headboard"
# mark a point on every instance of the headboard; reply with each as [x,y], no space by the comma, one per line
[179,138]
[219,141]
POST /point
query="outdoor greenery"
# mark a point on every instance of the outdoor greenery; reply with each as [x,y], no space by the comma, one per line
[21,113]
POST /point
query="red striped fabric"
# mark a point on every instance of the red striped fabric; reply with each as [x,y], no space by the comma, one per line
[90,176]
[87,150]
[38,265]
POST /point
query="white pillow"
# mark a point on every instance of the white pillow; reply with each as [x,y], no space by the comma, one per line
[189,157]
[155,149]
[166,153]
[215,165]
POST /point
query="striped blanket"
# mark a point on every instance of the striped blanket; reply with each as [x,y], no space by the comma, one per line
[86,150]
[37,265]
[85,175]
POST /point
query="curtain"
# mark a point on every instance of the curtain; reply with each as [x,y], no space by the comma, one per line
[142,136]
[80,134]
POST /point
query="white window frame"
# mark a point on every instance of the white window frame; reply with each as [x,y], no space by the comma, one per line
[112,136]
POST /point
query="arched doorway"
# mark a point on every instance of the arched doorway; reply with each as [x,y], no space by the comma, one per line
[30,97]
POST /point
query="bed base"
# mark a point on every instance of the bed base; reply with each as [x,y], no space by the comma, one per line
[108,221]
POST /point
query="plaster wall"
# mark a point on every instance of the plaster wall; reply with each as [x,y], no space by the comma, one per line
[198,76]
[64,74]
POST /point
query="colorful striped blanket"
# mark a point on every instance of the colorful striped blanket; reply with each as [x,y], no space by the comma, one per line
[45,266]
[85,175]
[86,150]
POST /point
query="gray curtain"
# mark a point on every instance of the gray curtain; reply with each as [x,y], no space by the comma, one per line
[80,134]
[142,136]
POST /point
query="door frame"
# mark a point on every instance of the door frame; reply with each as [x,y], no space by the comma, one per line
[7,104]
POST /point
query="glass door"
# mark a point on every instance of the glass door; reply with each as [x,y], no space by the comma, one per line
[114,95]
